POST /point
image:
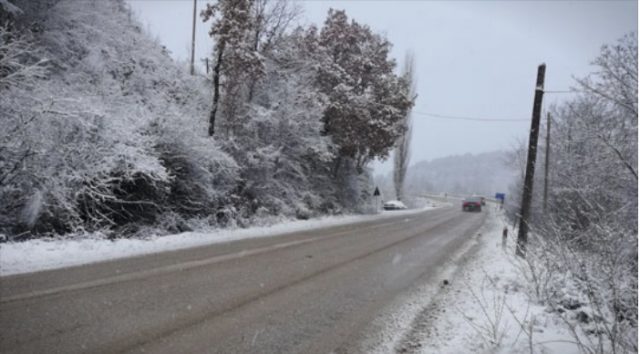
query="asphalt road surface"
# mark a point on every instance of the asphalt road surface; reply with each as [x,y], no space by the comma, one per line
[305,292]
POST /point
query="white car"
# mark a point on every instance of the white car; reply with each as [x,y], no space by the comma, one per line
[394,205]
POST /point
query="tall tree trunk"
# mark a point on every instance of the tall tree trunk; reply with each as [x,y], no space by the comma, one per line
[216,90]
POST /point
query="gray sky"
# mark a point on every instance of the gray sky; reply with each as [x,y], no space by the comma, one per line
[473,58]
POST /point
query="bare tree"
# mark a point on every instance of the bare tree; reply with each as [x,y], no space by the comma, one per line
[271,20]
[402,151]
[616,84]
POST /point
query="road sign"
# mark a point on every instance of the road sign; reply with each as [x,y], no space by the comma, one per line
[376,192]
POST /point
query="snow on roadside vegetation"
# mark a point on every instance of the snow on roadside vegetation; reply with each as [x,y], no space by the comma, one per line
[487,306]
[51,253]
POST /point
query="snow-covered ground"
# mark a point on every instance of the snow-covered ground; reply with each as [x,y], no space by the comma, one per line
[52,253]
[483,307]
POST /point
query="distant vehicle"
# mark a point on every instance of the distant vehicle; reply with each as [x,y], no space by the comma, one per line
[482,201]
[394,205]
[472,204]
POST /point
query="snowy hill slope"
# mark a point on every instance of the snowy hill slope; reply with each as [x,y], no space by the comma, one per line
[102,136]
[97,49]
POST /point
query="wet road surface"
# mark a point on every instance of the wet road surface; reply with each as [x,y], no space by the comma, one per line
[304,292]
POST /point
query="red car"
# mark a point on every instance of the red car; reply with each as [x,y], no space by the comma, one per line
[472,204]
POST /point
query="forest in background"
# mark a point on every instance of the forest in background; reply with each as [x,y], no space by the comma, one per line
[484,174]
[103,131]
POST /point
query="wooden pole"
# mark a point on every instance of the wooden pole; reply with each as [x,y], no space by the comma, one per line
[193,38]
[531,164]
[547,152]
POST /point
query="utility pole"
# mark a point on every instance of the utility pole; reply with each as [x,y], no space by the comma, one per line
[531,164]
[547,152]
[193,37]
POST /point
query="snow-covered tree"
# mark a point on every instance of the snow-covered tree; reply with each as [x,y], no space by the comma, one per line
[402,151]
[243,31]
[235,58]
[284,156]
[366,99]
[270,21]
[595,143]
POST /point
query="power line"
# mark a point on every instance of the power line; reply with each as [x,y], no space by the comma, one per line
[480,119]
[485,119]
[563,91]
[475,119]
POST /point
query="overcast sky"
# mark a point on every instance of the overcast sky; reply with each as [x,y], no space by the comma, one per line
[473,58]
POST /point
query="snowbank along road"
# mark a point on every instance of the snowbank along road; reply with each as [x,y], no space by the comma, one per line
[305,292]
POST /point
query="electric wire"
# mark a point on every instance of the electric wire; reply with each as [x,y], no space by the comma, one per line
[475,119]
[485,119]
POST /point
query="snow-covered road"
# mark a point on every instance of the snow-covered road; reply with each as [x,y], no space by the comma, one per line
[312,291]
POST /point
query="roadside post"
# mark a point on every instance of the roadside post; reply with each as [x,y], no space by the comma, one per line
[376,194]
[505,235]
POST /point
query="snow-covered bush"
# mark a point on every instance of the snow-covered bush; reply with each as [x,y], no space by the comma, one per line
[88,166]
[203,175]
[87,143]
